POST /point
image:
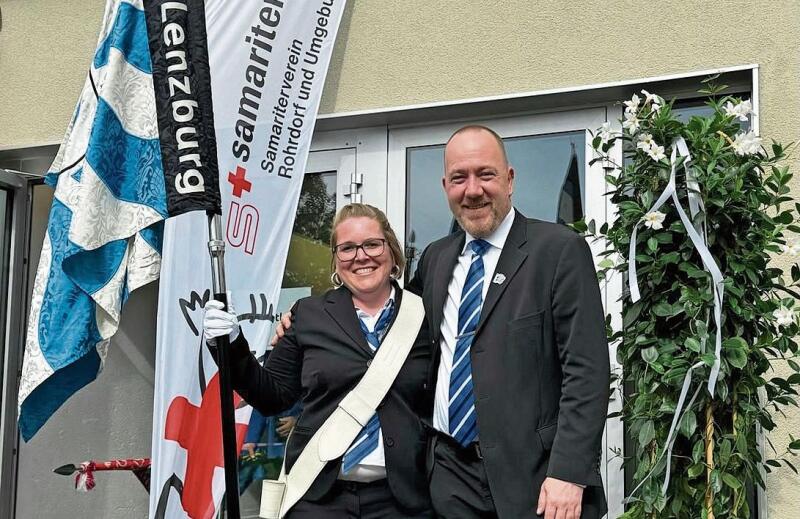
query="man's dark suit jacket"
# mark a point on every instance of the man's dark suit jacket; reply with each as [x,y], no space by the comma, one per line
[320,359]
[540,363]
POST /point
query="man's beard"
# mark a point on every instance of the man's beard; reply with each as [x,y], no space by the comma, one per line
[483,227]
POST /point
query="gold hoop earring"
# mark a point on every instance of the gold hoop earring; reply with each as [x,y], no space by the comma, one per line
[336,281]
[395,272]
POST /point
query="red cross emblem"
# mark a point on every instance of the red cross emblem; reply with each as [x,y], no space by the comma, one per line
[199,431]
[239,181]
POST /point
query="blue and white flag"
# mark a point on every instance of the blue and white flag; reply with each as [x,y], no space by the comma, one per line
[106,223]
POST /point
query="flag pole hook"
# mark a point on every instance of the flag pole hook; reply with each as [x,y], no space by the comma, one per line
[216,249]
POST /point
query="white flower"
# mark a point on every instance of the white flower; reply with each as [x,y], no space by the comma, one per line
[746,143]
[645,142]
[653,100]
[656,152]
[792,246]
[631,122]
[731,110]
[650,98]
[740,111]
[605,133]
[654,220]
[783,316]
[649,146]
[656,107]
[633,105]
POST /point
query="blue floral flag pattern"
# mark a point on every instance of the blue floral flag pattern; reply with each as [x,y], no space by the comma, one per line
[104,234]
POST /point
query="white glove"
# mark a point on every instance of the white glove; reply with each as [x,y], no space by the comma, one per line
[218,322]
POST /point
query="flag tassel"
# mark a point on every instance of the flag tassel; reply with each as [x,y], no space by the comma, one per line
[84,479]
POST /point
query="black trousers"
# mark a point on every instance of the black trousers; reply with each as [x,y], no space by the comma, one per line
[460,489]
[351,500]
[458,483]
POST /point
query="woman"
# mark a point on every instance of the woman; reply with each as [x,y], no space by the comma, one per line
[324,355]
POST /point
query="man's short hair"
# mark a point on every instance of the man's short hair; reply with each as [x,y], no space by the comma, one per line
[481,128]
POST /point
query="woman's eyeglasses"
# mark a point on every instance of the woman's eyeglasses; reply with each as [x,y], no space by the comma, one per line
[372,247]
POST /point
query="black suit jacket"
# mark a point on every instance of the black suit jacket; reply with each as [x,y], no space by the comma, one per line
[540,362]
[319,360]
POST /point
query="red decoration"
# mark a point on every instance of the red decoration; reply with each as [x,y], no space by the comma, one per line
[198,430]
[84,473]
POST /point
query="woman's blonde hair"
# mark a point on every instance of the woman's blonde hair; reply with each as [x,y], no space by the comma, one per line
[366,210]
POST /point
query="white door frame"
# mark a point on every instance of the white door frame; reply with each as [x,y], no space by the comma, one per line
[367,160]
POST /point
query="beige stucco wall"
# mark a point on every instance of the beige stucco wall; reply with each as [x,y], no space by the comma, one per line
[46,47]
[399,53]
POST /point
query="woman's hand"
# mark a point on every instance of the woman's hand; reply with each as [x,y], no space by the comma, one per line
[218,322]
[280,329]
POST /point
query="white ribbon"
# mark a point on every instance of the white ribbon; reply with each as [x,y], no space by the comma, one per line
[696,232]
[696,205]
[679,412]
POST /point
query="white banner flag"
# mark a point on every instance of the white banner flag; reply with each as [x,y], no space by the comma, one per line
[268,60]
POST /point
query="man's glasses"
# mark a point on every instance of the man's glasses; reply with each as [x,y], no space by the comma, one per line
[372,247]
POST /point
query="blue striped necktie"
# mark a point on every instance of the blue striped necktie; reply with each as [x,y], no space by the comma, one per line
[462,421]
[367,439]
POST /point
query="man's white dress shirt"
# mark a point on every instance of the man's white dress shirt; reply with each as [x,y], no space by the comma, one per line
[449,327]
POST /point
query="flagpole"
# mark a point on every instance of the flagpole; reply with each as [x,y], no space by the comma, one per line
[216,249]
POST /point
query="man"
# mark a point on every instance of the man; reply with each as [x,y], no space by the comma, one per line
[270,451]
[520,360]
[517,318]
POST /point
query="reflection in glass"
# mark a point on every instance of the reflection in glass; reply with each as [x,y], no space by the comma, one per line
[549,184]
[570,202]
[687,109]
[309,260]
[5,235]
[5,260]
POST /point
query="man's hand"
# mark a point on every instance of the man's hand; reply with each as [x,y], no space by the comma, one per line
[286,425]
[560,499]
[280,329]
[250,448]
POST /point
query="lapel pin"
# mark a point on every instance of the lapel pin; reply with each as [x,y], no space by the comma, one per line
[498,279]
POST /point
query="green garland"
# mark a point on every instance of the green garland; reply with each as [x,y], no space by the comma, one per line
[748,214]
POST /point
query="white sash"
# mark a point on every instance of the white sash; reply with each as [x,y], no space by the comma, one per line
[339,431]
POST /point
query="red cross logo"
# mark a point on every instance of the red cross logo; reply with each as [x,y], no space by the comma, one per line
[240,183]
[198,430]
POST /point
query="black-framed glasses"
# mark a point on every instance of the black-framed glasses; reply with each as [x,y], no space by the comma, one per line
[373,247]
